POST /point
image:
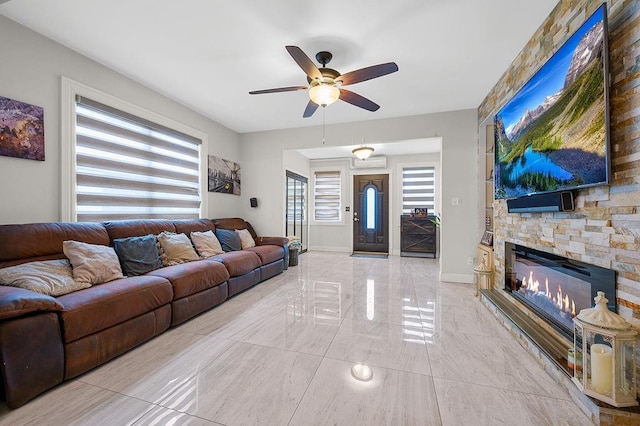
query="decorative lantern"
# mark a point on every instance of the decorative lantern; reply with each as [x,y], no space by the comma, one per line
[482,276]
[604,347]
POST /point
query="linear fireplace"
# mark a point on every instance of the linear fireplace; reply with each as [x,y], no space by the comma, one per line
[554,287]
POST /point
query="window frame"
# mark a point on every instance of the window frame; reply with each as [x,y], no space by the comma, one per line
[312,215]
[69,90]
[436,184]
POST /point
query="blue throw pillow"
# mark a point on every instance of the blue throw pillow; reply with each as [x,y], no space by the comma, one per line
[229,240]
[138,255]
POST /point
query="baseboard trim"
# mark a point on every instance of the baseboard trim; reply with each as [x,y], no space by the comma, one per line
[334,249]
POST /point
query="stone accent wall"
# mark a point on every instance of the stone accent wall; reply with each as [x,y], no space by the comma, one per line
[604,229]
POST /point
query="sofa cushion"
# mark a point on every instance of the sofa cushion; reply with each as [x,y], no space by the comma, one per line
[94,309]
[50,277]
[176,249]
[137,227]
[238,262]
[138,255]
[206,243]
[187,226]
[230,223]
[15,302]
[193,277]
[246,240]
[268,254]
[43,241]
[229,240]
[92,263]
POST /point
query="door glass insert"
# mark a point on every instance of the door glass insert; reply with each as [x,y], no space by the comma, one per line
[371,208]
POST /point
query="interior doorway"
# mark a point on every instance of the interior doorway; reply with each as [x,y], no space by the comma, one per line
[296,211]
[371,213]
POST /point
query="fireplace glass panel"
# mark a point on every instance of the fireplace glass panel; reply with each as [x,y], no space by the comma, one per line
[554,287]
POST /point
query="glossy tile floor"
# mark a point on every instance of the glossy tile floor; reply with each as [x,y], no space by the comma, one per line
[281,354]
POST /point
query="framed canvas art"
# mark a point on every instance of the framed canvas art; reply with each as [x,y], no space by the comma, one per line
[21,130]
[224,176]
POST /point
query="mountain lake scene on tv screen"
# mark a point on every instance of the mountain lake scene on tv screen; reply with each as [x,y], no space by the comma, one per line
[551,135]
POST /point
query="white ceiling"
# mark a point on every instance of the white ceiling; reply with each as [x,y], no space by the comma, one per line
[209,54]
[408,147]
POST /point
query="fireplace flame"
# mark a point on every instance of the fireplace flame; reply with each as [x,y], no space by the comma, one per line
[563,302]
[546,284]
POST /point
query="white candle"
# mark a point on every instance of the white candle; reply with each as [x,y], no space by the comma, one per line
[601,368]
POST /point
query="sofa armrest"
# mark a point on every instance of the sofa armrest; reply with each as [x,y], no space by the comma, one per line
[15,302]
[276,241]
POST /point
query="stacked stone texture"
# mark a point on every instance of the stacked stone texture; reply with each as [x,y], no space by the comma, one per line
[604,229]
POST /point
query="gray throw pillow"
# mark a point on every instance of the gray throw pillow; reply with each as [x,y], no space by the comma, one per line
[229,240]
[138,255]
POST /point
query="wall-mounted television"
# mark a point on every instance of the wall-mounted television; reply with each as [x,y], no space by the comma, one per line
[553,135]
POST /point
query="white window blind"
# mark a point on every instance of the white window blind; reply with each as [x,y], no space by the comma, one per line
[128,167]
[418,189]
[327,196]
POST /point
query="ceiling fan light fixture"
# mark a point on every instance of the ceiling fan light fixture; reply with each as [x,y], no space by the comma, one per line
[363,152]
[324,94]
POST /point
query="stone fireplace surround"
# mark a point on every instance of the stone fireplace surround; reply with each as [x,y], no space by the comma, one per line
[604,228]
[548,345]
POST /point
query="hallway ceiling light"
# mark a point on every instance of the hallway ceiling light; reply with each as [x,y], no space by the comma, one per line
[363,152]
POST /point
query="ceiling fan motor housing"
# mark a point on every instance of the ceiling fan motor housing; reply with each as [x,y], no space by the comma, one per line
[328,74]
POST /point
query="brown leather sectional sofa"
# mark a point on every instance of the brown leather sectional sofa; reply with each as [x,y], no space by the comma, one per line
[45,340]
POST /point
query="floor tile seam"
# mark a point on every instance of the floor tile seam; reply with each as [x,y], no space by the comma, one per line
[123,393]
[293,414]
[568,398]
[193,416]
[379,366]
[280,349]
[153,406]
[333,338]
[391,323]
[435,393]
[195,373]
[484,336]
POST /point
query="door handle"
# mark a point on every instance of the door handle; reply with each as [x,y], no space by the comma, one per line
[355,219]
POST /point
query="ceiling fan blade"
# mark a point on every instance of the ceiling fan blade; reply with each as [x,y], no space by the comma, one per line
[357,100]
[310,109]
[367,73]
[304,62]
[278,90]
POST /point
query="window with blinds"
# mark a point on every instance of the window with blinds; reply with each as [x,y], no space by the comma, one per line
[326,196]
[128,167]
[418,189]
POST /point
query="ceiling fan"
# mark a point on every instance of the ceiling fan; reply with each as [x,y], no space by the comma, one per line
[325,84]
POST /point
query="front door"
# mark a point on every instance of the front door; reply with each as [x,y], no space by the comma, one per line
[371,213]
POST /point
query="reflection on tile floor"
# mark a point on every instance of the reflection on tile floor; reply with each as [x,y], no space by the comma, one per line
[281,354]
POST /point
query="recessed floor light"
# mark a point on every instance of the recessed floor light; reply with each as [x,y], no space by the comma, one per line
[362,372]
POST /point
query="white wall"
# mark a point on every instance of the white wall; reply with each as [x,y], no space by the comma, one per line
[339,237]
[263,165]
[30,72]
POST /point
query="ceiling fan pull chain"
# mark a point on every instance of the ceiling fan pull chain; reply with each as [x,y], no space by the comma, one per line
[324,111]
